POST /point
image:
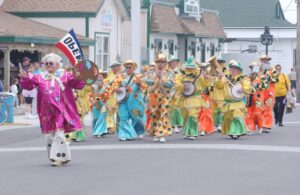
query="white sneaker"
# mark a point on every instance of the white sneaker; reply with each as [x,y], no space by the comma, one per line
[27,115]
[141,136]
[192,138]
[56,163]
[122,139]
[176,129]
[202,133]
[162,140]
[155,139]
[250,133]
[32,116]
[260,131]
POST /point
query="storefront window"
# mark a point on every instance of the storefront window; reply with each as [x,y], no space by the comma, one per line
[102,51]
[171,47]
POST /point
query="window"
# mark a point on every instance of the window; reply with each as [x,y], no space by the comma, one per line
[278,10]
[252,49]
[158,45]
[193,48]
[171,47]
[212,49]
[203,52]
[102,51]
[192,7]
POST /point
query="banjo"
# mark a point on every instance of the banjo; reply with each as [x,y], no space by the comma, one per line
[236,92]
[122,95]
[189,87]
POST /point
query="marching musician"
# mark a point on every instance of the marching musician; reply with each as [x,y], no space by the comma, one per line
[270,76]
[160,85]
[235,86]
[112,103]
[205,118]
[218,94]
[255,101]
[101,97]
[83,102]
[129,88]
[176,116]
[56,105]
[191,87]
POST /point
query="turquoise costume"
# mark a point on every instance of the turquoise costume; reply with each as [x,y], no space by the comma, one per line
[99,126]
[131,111]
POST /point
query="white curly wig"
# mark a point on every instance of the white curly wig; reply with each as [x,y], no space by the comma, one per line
[52,57]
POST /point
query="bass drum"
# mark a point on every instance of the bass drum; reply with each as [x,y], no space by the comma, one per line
[236,92]
[122,97]
[188,89]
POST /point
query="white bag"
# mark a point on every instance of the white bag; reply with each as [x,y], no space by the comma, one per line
[60,150]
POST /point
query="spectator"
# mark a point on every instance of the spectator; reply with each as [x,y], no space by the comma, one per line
[25,66]
[282,88]
[14,90]
[293,78]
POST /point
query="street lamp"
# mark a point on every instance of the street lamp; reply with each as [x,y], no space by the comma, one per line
[266,38]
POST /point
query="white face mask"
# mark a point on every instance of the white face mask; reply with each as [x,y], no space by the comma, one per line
[255,69]
[266,66]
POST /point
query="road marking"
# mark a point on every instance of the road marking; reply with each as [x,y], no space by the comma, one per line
[165,146]
[291,122]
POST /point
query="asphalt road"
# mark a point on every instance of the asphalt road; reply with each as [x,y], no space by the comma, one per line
[267,164]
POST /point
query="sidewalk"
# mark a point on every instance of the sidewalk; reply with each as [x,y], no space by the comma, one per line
[20,122]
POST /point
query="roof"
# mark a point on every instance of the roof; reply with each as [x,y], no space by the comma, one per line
[247,13]
[165,20]
[208,26]
[17,29]
[89,7]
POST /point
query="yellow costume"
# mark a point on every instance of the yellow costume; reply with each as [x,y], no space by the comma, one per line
[234,109]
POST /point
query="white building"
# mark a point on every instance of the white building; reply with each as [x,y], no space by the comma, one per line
[244,22]
[101,20]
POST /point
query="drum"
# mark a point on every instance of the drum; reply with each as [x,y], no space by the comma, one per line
[188,89]
[88,71]
[122,97]
[236,92]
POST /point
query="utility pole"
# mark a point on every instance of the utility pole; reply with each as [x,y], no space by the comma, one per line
[136,32]
[298,52]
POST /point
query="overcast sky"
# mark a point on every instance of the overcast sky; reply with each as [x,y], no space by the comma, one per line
[290,10]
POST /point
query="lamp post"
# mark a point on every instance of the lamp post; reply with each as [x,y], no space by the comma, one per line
[266,38]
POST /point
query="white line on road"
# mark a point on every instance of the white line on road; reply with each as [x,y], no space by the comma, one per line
[166,146]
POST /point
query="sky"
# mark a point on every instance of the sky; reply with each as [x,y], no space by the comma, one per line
[289,8]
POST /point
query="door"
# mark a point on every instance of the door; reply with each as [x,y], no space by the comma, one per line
[102,53]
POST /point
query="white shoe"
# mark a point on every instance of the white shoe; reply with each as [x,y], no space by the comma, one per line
[141,136]
[176,129]
[32,116]
[260,131]
[155,139]
[192,138]
[27,115]
[250,133]
[202,133]
[123,139]
[56,163]
[162,140]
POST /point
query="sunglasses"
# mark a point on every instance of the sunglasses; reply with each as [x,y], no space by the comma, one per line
[49,63]
[128,67]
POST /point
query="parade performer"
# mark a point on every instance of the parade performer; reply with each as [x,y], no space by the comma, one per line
[255,101]
[56,105]
[191,88]
[235,87]
[83,102]
[160,86]
[176,116]
[271,78]
[112,103]
[205,118]
[129,88]
[218,94]
[100,109]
